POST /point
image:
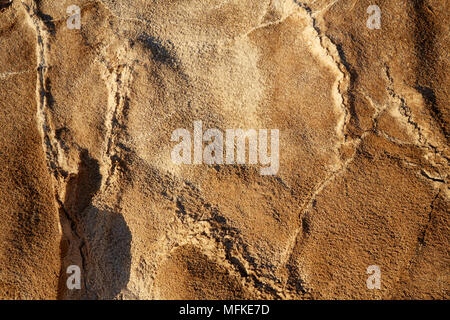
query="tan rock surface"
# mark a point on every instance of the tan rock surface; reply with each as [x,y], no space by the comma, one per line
[87,177]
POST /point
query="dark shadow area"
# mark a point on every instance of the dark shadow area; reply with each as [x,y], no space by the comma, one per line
[47,19]
[81,188]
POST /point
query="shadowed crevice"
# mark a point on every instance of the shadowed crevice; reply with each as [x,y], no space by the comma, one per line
[102,236]
[107,252]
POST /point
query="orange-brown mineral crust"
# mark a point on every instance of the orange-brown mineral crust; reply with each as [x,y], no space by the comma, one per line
[92,93]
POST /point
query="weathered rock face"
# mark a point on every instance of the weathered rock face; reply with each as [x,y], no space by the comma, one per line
[87,176]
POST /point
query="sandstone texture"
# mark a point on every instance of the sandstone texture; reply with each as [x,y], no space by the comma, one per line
[87,179]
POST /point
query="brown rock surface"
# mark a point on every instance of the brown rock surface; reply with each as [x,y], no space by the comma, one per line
[86,176]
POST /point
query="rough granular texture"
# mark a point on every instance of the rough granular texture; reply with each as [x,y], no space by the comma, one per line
[87,179]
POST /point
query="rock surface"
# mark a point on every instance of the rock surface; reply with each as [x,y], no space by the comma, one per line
[86,176]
